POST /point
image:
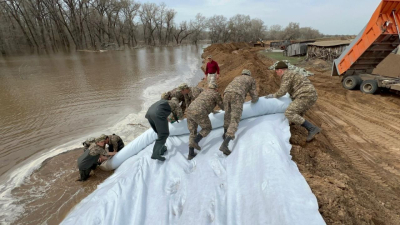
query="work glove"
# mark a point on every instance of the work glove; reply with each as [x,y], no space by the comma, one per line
[270,96]
[173,121]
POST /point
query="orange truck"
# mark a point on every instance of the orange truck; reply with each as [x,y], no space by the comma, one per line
[374,43]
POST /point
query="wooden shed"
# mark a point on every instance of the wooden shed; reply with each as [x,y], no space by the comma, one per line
[326,50]
[298,48]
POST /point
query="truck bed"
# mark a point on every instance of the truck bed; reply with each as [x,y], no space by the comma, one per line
[374,43]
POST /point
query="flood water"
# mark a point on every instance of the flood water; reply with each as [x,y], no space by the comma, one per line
[50,104]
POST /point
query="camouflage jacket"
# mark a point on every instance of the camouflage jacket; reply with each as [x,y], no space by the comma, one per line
[194,93]
[178,94]
[296,85]
[206,102]
[181,97]
[242,85]
[175,109]
[94,149]
[114,139]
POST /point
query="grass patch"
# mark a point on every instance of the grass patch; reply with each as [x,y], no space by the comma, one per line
[279,56]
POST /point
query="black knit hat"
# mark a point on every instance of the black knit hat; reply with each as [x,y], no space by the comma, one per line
[281,65]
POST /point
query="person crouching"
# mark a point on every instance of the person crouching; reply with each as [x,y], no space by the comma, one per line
[89,159]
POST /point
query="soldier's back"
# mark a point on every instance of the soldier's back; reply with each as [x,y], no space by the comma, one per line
[195,92]
[177,94]
[240,85]
[301,85]
[204,103]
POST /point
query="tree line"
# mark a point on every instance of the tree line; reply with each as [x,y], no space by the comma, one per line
[48,26]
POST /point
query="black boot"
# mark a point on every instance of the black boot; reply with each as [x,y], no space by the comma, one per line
[157,152]
[223,136]
[224,147]
[312,130]
[197,139]
[163,150]
[192,154]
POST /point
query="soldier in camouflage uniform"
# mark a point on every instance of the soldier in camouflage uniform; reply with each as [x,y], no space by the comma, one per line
[234,97]
[86,144]
[197,115]
[303,95]
[181,93]
[157,115]
[115,143]
[193,94]
[88,160]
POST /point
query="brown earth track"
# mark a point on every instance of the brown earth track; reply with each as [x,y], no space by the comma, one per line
[353,166]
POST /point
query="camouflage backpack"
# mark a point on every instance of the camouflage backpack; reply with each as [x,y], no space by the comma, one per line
[87,143]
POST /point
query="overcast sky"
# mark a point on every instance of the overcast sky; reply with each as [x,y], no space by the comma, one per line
[328,16]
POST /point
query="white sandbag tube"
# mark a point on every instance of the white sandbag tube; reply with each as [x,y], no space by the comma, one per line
[257,183]
[262,107]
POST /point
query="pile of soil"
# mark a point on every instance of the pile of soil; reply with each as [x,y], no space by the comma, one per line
[233,58]
[353,166]
[389,67]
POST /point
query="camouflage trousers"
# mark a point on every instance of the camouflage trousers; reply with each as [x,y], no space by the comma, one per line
[298,107]
[195,120]
[211,78]
[233,105]
[198,119]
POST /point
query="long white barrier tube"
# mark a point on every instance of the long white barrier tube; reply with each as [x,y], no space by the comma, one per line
[262,107]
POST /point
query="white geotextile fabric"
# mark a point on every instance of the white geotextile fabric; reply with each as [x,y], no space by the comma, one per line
[262,107]
[257,184]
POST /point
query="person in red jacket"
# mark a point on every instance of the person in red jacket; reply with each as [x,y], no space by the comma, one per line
[212,71]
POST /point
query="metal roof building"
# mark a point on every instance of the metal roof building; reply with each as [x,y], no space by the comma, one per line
[297,49]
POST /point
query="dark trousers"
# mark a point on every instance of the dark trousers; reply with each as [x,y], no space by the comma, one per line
[85,173]
[157,116]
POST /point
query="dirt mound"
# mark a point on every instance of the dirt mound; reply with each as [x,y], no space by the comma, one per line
[316,65]
[216,50]
[353,166]
[233,58]
[389,67]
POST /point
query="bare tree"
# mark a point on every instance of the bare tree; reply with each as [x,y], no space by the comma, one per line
[147,16]
[240,26]
[219,29]
[275,32]
[257,30]
[169,21]
[130,10]
[182,32]
[198,26]
[292,31]
[45,26]
[309,33]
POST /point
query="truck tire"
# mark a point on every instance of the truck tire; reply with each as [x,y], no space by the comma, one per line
[369,86]
[351,82]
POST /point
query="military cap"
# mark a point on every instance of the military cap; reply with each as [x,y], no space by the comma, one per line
[183,86]
[246,72]
[209,57]
[212,86]
[103,137]
[166,95]
[281,65]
